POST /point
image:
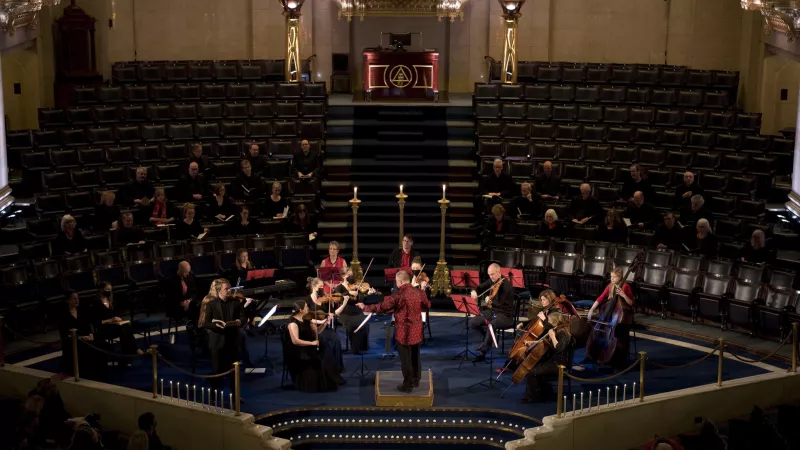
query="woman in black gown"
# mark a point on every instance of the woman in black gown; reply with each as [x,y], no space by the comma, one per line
[222,205]
[110,326]
[351,315]
[70,318]
[328,339]
[559,340]
[189,227]
[310,371]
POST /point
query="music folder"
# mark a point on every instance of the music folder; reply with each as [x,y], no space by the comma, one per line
[467,279]
[466,304]
[257,274]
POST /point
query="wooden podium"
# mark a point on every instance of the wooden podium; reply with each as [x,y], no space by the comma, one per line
[386,393]
[401,75]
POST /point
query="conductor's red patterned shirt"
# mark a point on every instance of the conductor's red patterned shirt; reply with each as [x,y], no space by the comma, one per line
[407,304]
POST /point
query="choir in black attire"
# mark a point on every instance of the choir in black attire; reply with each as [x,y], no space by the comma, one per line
[223,341]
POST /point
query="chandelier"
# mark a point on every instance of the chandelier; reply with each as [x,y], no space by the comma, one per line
[441,9]
[778,15]
[16,14]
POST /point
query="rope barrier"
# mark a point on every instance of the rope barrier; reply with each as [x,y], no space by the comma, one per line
[112,354]
[216,375]
[682,366]
[610,377]
[23,337]
[750,361]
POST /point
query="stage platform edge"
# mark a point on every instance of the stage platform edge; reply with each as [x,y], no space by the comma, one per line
[386,393]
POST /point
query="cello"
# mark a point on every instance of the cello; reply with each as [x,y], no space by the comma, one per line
[535,330]
[602,342]
[533,354]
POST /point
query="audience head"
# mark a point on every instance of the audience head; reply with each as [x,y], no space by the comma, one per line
[219,190]
[138,441]
[697,202]
[305,146]
[246,167]
[160,195]
[758,239]
[612,219]
[547,168]
[188,212]
[127,220]
[550,216]
[402,278]
[244,213]
[222,287]
[197,150]
[637,172]
[72,299]
[184,268]
[68,223]
[525,189]
[616,275]
[194,169]
[141,174]
[333,249]
[300,211]
[494,272]
[147,423]
[703,227]
[638,198]
[104,289]
[669,219]
[276,189]
[547,297]
[688,178]
[107,198]
[254,150]
[498,167]
[408,242]
[34,403]
[498,211]
[586,190]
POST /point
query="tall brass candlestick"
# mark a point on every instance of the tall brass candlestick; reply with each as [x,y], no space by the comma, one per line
[401,200]
[441,275]
[355,264]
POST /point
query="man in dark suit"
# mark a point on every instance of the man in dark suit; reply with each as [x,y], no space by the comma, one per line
[403,257]
[526,205]
[223,319]
[247,185]
[669,234]
[192,186]
[685,192]
[182,294]
[306,162]
[642,215]
[547,184]
[585,209]
[696,211]
[500,314]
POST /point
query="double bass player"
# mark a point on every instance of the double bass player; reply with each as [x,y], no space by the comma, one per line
[620,293]
[499,312]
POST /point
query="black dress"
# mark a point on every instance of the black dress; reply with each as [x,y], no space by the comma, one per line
[329,343]
[351,317]
[236,228]
[99,313]
[64,245]
[104,216]
[184,230]
[310,371]
[273,208]
[547,368]
[618,234]
[87,359]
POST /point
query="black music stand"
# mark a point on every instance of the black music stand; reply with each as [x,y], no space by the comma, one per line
[362,370]
[491,382]
[389,349]
[468,306]
[465,279]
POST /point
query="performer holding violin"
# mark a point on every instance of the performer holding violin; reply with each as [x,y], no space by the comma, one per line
[420,279]
[610,339]
[351,315]
[322,315]
[558,340]
[499,312]
[310,371]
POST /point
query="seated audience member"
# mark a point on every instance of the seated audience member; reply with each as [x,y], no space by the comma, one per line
[128,233]
[244,226]
[108,324]
[106,214]
[52,414]
[526,205]
[548,184]
[246,185]
[405,255]
[702,241]
[669,234]
[238,272]
[182,294]
[147,423]
[202,161]
[306,162]
[72,317]
[642,215]
[138,192]
[301,221]
[258,162]
[275,204]
[757,251]
[160,210]
[69,240]
[222,205]
[497,224]
[585,209]
[696,211]
[685,192]
[637,182]
[551,227]
[138,441]
[189,227]
[192,186]
[613,228]
[498,183]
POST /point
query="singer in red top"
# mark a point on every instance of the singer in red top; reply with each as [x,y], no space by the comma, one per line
[407,304]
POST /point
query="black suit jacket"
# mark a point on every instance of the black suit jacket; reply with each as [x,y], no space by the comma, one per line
[218,337]
[175,293]
[396,258]
[504,301]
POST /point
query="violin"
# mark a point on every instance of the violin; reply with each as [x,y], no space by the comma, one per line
[363,288]
[422,277]
[330,298]
[316,315]
[495,289]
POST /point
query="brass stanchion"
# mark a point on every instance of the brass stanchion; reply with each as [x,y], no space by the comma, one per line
[441,275]
[2,342]
[795,327]
[560,407]
[719,364]
[401,200]
[642,362]
[238,387]
[75,370]
[355,264]
[154,354]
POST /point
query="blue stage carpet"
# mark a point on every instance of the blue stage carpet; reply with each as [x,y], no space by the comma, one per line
[263,393]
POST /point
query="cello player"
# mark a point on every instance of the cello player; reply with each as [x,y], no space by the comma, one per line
[537,388]
[618,291]
[500,313]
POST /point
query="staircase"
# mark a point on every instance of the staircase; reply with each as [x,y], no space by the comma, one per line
[377,148]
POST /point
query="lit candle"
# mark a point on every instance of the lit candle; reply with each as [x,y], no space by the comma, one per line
[194,393]
[401,189]
[598,399]
[178,390]
[608,396]
[230,403]
[162,389]
[187,392]
[444,188]
[216,398]
[573,404]
[170,389]
[616,390]
[203,396]
[590,401]
[624,392]
[581,402]
[355,193]
[565,405]
[633,392]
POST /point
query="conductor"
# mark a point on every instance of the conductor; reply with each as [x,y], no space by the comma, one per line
[499,312]
[407,304]
[223,319]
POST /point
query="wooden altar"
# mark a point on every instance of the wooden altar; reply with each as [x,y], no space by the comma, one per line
[401,75]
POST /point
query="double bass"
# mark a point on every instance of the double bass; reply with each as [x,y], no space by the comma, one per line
[602,342]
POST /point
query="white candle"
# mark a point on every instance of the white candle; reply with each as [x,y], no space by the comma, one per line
[581,402]
[230,403]
[624,392]
[444,188]
[590,401]
[598,399]
[194,393]
[616,390]
[203,396]
[401,189]
[162,389]
[355,193]
[573,404]
[565,405]
[216,398]
[187,392]
[633,392]
[608,396]
[170,390]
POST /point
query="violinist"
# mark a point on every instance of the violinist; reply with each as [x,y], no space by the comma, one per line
[309,370]
[419,279]
[620,291]
[351,315]
[559,338]
[499,312]
[322,310]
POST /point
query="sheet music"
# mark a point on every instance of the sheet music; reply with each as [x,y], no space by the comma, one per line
[229,217]
[246,191]
[366,319]
[201,236]
[424,317]
[269,314]
[627,221]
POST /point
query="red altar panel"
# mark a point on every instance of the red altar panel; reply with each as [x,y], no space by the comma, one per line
[401,74]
